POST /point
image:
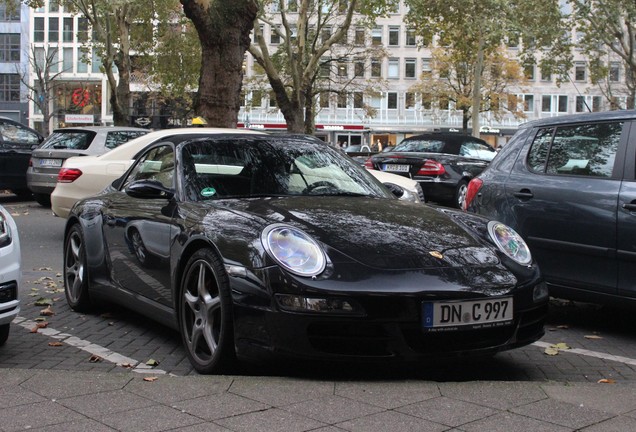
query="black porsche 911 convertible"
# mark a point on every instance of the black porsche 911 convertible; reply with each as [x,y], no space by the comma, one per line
[256,247]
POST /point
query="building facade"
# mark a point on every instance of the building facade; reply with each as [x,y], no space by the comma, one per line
[399,111]
[14,60]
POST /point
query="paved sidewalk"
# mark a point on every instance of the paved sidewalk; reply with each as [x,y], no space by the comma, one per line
[39,400]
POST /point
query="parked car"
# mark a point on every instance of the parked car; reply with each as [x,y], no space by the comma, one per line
[9,273]
[47,159]
[402,187]
[443,163]
[567,185]
[16,144]
[84,176]
[271,246]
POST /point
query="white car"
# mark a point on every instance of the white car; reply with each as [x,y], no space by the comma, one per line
[9,273]
[84,176]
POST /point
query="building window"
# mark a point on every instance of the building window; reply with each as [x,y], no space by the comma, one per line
[257,99]
[67,59]
[529,72]
[581,104]
[376,68]
[38,30]
[580,74]
[426,67]
[54,29]
[10,13]
[358,100]
[409,100]
[528,103]
[274,37]
[82,30]
[411,41]
[409,68]
[376,36]
[359,36]
[325,34]
[9,47]
[96,63]
[324,100]
[54,6]
[68,30]
[343,69]
[614,72]
[597,103]
[394,68]
[546,103]
[272,100]
[342,100]
[9,87]
[562,103]
[359,68]
[82,65]
[546,76]
[391,100]
[394,36]
[325,68]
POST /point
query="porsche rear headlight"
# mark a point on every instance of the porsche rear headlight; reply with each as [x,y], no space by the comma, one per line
[431,167]
[472,191]
[368,164]
[68,175]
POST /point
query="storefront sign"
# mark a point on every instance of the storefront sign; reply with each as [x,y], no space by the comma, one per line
[79,118]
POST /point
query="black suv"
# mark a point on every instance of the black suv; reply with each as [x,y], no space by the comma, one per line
[567,184]
[16,144]
[442,163]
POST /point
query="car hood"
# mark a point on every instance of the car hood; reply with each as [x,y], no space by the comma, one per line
[381,233]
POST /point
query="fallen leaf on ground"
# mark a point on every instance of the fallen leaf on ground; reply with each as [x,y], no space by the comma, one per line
[606,381]
[551,351]
[47,312]
[561,346]
[152,362]
[95,359]
[42,324]
[563,326]
[56,344]
[45,269]
[592,337]
[127,365]
[43,302]
[151,379]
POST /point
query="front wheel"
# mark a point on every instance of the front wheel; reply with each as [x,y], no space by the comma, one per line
[205,314]
[460,194]
[75,274]
[4,333]
[43,199]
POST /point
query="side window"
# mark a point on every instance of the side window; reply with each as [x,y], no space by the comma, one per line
[587,150]
[18,134]
[157,164]
[538,154]
[477,150]
[115,139]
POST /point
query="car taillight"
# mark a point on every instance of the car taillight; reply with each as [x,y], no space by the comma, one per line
[68,175]
[431,167]
[30,162]
[368,164]
[472,191]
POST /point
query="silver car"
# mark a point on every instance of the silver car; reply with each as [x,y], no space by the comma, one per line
[47,159]
[9,273]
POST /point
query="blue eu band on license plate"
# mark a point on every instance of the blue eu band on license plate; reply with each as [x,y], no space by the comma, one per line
[467,315]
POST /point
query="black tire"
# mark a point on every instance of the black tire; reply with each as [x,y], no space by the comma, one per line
[75,272]
[22,193]
[205,314]
[460,194]
[4,333]
[43,199]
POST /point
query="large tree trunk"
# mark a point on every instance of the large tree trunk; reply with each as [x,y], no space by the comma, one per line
[479,67]
[224,32]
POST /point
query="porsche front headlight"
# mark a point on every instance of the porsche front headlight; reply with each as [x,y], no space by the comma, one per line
[509,242]
[294,250]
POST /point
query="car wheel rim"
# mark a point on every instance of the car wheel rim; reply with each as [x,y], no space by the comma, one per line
[74,266]
[461,194]
[201,312]
[138,247]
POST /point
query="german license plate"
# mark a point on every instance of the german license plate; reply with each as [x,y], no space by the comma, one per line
[51,162]
[395,168]
[467,315]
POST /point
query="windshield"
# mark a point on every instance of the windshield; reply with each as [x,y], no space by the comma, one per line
[72,140]
[240,168]
[424,145]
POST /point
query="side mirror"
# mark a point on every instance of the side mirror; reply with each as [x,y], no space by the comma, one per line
[149,189]
[396,190]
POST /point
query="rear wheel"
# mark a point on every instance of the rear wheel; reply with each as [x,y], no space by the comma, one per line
[4,333]
[43,199]
[75,273]
[205,314]
[22,193]
[460,194]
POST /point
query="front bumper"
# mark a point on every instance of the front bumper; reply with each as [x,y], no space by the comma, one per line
[390,328]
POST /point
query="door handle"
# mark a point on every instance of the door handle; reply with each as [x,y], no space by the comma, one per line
[110,221]
[630,207]
[524,194]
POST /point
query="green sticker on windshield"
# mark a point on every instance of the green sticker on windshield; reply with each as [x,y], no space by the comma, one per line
[209,191]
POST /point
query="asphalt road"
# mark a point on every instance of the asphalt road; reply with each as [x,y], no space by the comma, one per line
[601,342]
